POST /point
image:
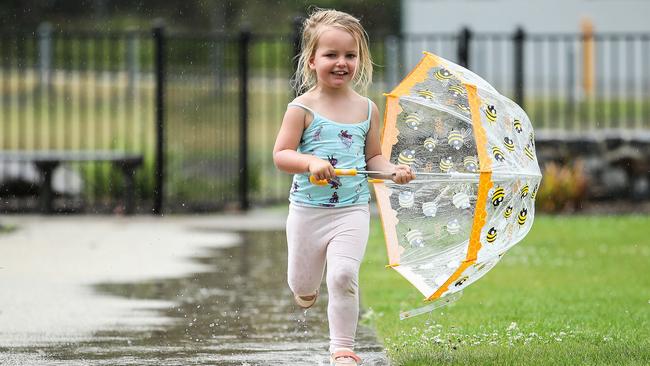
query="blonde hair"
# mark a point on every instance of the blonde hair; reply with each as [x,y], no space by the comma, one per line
[305,78]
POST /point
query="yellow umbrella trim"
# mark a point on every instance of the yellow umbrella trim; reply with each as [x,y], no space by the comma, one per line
[484,186]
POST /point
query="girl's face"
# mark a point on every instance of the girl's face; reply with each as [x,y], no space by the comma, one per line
[336,58]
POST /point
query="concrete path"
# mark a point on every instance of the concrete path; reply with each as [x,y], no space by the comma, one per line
[105,290]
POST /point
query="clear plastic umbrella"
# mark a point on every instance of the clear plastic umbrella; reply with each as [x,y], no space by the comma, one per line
[473,151]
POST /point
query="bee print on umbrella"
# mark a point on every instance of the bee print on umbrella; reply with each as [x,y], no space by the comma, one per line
[346,138]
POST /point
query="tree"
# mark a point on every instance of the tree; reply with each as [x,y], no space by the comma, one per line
[378,16]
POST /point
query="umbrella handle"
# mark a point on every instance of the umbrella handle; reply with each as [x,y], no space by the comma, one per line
[348,172]
[324,182]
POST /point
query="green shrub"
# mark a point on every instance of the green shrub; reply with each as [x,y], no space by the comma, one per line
[563,187]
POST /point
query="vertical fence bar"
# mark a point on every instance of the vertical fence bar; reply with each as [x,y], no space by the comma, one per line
[501,50]
[548,85]
[98,110]
[121,90]
[261,123]
[32,65]
[534,110]
[630,105]
[572,107]
[4,89]
[281,97]
[464,38]
[519,41]
[132,62]
[615,82]
[601,83]
[392,61]
[88,103]
[59,68]
[244,45]
[554,82]
[75,69]
[159,173]
[64,99]
[21,91]
[45,52]
[585,86]
[645,79]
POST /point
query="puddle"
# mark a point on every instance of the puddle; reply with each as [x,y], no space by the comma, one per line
[238,313]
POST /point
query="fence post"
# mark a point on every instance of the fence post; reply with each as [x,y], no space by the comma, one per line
[464,38]
[44,53]
[295,40]
[244,49]
[518,39]
[159,174]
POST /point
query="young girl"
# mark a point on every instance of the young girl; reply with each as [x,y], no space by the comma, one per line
[331,126]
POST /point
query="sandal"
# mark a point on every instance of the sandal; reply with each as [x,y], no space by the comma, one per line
[306,302]
[344,357]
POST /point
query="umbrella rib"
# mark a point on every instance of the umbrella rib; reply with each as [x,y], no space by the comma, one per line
[468,178]
[439,107]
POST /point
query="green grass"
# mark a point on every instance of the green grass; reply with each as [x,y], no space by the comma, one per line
[6,229]
[575,291]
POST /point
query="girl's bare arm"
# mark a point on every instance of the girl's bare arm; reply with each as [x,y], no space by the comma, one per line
[285,156]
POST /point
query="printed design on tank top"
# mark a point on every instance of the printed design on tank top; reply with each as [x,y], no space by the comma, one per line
[332,160]
[346,139]
[316,135]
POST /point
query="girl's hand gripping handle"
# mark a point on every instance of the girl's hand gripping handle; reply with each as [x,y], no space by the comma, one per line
[324,182]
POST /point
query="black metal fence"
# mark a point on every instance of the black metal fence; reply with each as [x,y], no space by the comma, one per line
[75,91]
[203,109]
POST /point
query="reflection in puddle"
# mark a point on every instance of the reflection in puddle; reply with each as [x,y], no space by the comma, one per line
[242,313]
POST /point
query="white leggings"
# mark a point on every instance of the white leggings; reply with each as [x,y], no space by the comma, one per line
[338,237]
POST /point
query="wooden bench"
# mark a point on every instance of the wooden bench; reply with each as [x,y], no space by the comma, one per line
[47,160]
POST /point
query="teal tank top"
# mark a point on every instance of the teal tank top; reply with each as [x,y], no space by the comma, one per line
[344,146]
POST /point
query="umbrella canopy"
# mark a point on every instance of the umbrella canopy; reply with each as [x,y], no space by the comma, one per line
[474,152]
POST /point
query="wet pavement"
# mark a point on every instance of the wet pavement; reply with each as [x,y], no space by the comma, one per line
[204,290]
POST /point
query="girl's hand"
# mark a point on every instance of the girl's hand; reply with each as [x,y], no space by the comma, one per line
[321,169]
[403,174]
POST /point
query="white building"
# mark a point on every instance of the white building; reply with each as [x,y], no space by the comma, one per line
[427,16]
